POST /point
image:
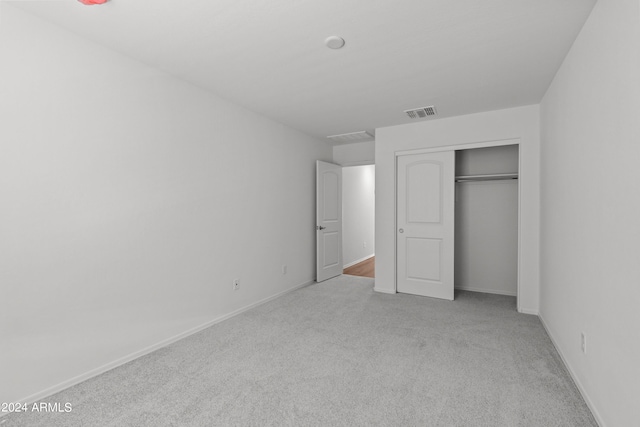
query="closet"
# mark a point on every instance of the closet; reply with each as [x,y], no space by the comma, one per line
[457,221]
[486,220]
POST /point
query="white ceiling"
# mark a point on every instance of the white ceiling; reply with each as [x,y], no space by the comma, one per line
[463,56]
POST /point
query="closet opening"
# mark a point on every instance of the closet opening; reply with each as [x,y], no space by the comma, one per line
[486,220]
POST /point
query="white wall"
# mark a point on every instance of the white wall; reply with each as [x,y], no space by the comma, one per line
[590,210]
[522,123]
[358,205]
[357,153]
[130,201]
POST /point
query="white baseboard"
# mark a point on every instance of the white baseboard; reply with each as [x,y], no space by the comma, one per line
[128,358]
[384,291]
[489,291]
[358,261]
[574,377]
[486,291]
[528,311]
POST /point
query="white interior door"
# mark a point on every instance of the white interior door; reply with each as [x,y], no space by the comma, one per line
[328,220]
[425,224]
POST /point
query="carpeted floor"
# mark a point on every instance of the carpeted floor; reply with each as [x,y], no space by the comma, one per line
[336,355]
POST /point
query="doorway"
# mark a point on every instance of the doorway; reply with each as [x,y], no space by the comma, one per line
[358,220]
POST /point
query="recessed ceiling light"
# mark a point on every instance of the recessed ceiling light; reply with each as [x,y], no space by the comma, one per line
[92,2]
[334,42]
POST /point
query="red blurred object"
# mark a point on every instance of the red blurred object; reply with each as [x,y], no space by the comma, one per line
[92,2]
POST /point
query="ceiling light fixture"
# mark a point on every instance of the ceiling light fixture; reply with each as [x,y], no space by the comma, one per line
[92,2]
[334,42]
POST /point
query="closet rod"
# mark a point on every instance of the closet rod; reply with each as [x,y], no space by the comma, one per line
[487,177]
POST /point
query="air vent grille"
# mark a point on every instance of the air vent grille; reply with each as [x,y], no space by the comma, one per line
[352,137]
[421,113]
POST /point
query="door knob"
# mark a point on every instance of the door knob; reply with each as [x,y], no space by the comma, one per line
[401,230]
[319,227]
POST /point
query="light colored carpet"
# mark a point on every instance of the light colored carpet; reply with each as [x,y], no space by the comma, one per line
[339,354]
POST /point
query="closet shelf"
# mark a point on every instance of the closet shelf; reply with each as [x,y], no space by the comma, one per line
[487,177]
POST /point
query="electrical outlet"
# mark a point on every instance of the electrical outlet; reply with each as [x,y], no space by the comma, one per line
[364,244]
[284,269]
[583,342]
[236,284]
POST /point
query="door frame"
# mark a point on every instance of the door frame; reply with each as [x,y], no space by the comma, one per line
[459,147]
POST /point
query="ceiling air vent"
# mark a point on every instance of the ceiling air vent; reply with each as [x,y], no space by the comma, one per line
[421,113]
[352,137]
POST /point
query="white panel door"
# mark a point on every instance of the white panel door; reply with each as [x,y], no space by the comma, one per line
[425,224]
[328,220]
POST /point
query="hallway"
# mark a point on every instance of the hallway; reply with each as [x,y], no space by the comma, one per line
[365,268]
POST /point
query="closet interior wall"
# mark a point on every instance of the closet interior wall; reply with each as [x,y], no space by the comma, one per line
[486,221]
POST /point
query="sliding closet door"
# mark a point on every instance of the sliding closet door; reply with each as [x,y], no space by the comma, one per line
[425,224]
